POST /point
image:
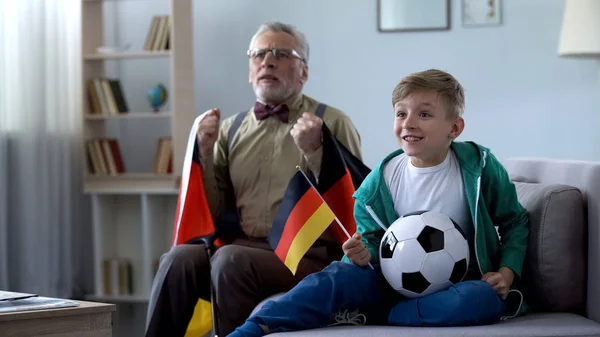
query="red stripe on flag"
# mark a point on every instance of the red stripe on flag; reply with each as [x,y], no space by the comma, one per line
[304,209]
[340,200]
[196,219]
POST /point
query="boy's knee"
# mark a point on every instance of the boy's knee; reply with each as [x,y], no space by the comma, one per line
[339,272]
[477,297]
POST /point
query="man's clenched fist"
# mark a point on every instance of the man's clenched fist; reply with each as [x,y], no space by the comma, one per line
[208,131]
[307,133]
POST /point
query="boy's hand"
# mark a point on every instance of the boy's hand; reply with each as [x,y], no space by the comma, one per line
[356,251]
[500,281]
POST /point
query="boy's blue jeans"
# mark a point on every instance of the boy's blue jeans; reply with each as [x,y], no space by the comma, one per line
[344,286]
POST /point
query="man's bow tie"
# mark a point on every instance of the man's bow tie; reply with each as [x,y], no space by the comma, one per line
[280,112]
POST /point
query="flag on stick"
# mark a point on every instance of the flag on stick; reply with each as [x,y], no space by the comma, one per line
[193,220]
[301,219]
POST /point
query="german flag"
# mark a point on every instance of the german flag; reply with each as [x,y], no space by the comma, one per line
[341,174]
[302,217]
[193,219]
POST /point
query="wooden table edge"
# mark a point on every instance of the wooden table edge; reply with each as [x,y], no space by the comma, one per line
[83,308]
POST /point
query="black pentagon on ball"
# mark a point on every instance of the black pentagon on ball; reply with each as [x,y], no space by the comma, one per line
[431,239]
[415,282]
[459,271]
[389,244]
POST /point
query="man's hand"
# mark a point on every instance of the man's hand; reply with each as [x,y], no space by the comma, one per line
[307,133]
[356,251]
[208,130]
[500,281]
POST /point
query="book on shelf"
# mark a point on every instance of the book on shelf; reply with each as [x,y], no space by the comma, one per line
[159,34]
[163,160]
[104,157]
[118,277]
[106,97]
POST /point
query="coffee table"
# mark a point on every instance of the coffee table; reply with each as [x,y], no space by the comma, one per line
[89,319]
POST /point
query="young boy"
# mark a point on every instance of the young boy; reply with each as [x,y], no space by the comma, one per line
[431,171]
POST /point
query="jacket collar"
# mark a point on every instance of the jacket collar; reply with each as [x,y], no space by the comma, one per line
[470,155]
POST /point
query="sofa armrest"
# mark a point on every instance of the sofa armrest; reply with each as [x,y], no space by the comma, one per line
[585,176]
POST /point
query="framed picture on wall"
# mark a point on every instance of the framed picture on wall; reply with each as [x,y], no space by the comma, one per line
[481,12]
[413,15]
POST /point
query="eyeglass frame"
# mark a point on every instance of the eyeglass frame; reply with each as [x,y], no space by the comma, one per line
[273,51]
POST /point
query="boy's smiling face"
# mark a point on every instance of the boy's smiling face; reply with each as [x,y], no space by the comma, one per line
[424,127]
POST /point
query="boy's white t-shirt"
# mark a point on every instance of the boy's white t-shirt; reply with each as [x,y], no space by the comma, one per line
[438,188]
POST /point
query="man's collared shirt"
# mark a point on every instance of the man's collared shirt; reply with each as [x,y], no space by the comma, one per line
[263,158]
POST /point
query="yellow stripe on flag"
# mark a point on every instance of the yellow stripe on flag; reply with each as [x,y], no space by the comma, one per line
[201,321]
[307,235]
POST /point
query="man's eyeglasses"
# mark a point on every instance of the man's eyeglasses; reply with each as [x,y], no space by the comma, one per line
[279,54]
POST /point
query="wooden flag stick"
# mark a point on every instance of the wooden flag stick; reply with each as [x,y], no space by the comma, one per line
[325,202]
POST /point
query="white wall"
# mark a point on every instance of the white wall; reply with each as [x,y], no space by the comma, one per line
[522,99]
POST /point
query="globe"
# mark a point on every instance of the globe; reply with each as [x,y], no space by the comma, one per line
[157,96]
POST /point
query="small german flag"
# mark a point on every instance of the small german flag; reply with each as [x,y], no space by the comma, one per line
[307,211]
[301,219]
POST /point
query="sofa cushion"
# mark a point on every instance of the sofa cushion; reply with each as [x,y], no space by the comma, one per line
[555,268]
[547,324]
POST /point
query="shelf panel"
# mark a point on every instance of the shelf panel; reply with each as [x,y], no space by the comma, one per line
[132,183]
[116,299]
[129,115]
[127,55]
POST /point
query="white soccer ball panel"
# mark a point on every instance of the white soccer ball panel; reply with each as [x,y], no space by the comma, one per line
[407,228]
[407,293]
[391,273]
[435,287]
[437,266]
[408,256]
[437,220]
[456,245]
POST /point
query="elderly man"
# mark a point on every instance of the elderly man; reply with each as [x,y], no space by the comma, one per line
[248,160]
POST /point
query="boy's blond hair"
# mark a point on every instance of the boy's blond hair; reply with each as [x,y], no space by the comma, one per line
[439,81]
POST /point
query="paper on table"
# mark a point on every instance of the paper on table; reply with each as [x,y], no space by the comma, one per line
[36,303]
[9,295]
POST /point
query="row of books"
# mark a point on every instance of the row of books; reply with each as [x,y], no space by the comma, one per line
[104,157]
[159,34]
[117,277]
[106,97]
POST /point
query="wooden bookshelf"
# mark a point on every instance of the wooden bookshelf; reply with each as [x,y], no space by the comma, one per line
[130,115]
[127,55]
[133,212]
[173,40]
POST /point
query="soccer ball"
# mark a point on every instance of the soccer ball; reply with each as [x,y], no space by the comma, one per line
[422,253]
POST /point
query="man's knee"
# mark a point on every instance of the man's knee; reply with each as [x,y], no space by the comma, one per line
[184,258]
[229,260]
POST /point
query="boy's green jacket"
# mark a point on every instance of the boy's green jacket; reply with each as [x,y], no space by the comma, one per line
[492,201]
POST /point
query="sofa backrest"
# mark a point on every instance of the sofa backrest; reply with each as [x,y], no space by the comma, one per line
[585,177]
[554,272]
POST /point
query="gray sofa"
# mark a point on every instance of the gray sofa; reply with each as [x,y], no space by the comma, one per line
[562,271]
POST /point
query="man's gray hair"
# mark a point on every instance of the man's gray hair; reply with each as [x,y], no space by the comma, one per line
[276,26]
